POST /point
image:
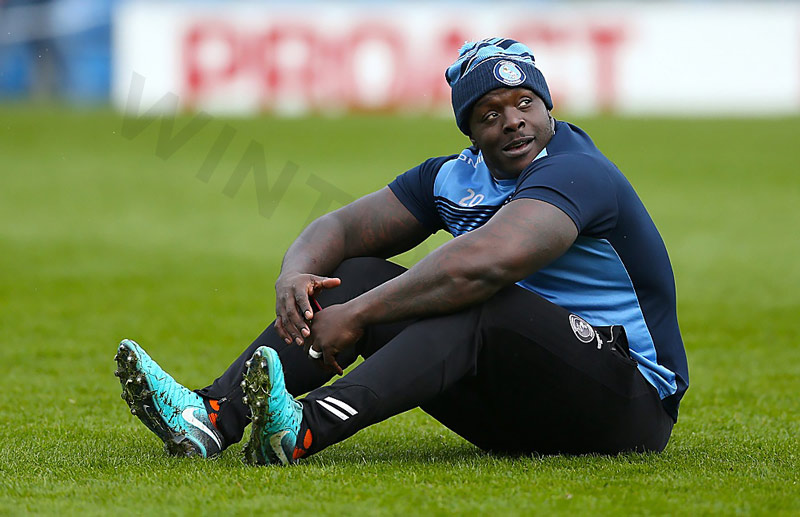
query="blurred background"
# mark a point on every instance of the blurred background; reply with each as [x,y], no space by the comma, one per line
[56,49]
[636,57]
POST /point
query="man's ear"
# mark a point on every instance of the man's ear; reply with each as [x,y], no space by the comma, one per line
[474,143]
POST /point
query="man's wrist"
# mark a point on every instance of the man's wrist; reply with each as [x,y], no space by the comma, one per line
[359,308]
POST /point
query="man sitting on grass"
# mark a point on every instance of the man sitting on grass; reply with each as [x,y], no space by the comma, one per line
[548,325]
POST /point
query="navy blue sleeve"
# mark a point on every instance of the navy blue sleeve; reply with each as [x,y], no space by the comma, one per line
[578,184]
[414,188]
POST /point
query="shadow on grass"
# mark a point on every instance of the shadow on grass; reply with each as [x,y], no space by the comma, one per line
[462,455]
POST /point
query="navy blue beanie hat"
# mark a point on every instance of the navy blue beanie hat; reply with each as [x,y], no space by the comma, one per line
[488,64]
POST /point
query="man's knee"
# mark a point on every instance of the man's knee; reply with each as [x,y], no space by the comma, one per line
[358,276]
[367,268]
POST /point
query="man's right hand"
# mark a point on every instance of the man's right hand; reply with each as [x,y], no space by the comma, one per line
[377,225]
[293,303]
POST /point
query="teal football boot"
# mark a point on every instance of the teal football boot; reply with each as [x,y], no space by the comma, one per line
[276,415]
[174,413]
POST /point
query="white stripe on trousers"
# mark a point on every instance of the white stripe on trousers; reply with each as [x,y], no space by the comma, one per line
[332,410]
[342,405]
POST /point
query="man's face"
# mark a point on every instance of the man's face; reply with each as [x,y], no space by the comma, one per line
[510,126]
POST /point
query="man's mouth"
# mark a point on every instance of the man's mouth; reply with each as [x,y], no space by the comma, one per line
[518,146]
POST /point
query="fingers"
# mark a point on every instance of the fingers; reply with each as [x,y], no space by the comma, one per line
[297,327]
[279,329]
[290,325]
[315,355]
[300,316]
[304,304]
[308,342]
[283,332]
[330,283]
[318,283]
[293,305]
[330,360]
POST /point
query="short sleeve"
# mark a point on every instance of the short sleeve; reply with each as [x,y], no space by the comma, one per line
[579,185]
[414,188]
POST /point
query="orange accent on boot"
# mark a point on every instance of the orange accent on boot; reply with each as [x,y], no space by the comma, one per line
[212,414]
[298,453]
[307,439]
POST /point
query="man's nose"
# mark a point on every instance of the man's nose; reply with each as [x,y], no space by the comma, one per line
[513,120]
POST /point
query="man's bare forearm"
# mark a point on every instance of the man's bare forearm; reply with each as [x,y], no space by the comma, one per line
[473,267]
[377,225]
[453,277]
[318,250]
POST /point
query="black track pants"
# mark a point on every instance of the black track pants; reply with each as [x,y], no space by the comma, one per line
[509,375]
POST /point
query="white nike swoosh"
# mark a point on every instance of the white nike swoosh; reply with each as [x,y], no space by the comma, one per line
[188,415]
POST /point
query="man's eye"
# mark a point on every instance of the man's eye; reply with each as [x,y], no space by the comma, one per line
[524,102]
[490,115]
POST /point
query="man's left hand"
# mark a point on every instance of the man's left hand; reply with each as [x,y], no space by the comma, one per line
[333,330]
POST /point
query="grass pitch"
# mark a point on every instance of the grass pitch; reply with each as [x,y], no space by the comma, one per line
[108,230]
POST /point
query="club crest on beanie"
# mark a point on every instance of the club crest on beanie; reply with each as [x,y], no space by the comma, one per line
[488,64]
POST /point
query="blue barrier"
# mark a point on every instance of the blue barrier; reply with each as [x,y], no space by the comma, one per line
[56,48]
